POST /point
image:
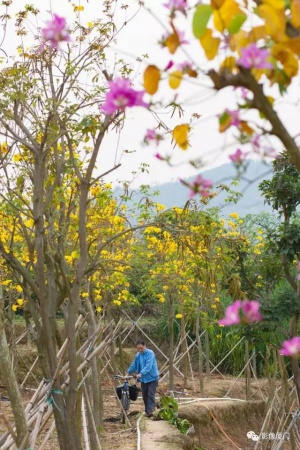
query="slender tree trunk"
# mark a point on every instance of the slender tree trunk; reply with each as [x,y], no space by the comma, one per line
[171,342]
[10,381]
[184,347]
[247,371]
[207,367]
[254,359]
[200,355]
[93,390]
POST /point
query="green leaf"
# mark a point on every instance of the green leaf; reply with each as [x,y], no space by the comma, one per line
[236,23]
[200,19]
[223,118]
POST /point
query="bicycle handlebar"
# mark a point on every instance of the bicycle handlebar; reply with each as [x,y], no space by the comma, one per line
[121,377]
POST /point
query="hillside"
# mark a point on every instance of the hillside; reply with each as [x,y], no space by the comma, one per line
[251,202]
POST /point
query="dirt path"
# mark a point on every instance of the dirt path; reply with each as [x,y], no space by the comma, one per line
[154,434]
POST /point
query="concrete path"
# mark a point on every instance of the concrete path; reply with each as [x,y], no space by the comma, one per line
[153,434]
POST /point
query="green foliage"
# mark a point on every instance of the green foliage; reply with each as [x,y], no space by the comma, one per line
[288,240]
[282,192]
[283,303]
[168,412]
[200,20]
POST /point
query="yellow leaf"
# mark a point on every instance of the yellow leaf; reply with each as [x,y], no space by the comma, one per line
[216,4]
[274,21]
[277,4]
[180,135]
[229,64]
[245,128]
[173,42]
[295,8]
[78,8]
[192,73]
[289,61]
[151,79]
[294,45]
[175,79]
[257,33]
[238,41]
[209,44]
[224,15]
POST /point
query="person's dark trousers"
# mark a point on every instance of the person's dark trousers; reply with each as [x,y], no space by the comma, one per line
[148,391]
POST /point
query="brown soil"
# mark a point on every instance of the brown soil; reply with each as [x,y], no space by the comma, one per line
[228,427]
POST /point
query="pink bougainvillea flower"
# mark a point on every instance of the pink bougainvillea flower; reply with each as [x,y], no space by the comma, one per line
[255,141]
[291,347]
[232,314]
[169,65]
[121,95]
[269,152]
[55,31]
[238,157]
[152,135]
[200,186]
[243,91]
[182,39]
[243,312]
[185,66]
[250,310]
[176,5]
[234,117]
[255,58]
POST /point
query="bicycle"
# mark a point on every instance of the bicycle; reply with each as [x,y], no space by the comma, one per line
[125,393]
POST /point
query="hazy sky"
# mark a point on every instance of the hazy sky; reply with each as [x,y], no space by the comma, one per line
[140,37]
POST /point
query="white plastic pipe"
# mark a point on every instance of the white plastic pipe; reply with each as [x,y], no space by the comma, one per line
[139,432]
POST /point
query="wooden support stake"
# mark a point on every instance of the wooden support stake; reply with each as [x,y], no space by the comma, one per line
[9,427]
[47,437]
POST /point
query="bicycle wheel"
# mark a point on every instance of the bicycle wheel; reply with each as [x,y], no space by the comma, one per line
[125,401]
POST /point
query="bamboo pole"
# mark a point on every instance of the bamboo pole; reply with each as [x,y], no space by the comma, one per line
[28,373]
[84,426]
[37,402]
[47,437]
[9,427]
[36,430]
[88,403]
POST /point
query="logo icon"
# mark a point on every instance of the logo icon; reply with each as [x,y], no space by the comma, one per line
[252,435]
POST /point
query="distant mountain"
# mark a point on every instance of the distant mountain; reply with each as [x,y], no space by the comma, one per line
[251,202]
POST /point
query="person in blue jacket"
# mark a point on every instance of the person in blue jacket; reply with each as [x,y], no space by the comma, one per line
[145,366]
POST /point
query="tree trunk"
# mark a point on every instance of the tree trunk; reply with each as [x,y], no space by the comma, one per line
[247,371]
[207,367]
[200,355]
[94,386]
[184,347]
[171,343]
[10,381]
